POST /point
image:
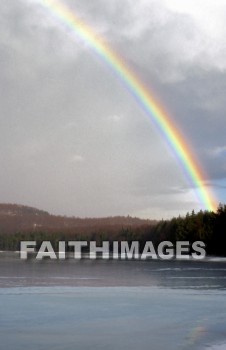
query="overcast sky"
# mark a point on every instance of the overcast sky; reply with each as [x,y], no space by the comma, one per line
[72,139]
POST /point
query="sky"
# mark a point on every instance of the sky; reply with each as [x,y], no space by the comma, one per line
[73,140]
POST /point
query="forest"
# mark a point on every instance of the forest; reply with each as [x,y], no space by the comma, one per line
[21,223]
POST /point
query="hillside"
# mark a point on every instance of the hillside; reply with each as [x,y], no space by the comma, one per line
[19,210]
[19,218]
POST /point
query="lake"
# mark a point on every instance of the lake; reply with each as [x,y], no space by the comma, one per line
[112,304]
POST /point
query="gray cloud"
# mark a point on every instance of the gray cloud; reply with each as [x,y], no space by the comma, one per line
[73,140]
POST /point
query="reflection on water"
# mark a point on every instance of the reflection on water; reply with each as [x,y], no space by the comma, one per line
[112,304]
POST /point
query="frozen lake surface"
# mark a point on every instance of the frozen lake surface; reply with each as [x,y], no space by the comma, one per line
[110,305]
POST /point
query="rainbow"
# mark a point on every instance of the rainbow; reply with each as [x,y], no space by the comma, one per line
[145,99]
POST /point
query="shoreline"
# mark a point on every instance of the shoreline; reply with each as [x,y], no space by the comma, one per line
[86,256]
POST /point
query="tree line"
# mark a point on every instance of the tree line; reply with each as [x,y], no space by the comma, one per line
[206,226]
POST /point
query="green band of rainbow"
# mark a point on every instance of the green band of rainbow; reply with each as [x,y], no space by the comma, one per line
[153,109]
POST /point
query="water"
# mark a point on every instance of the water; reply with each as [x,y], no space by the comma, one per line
[112,305]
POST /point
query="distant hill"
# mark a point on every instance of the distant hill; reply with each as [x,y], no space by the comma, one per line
[19,218]
[19,210]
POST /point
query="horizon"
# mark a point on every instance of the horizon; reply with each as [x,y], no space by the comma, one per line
[151,219]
